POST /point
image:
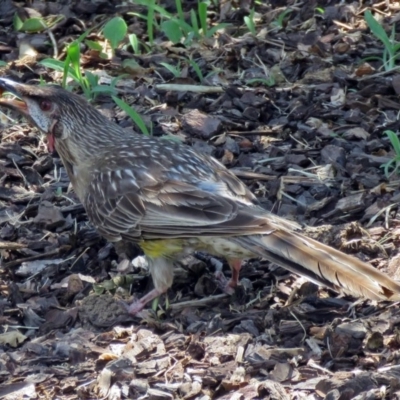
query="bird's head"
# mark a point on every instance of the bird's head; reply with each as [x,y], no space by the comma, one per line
[65,118]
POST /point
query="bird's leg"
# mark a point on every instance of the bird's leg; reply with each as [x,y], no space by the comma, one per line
[138,305]
[228,286]
[235,265]
[162,272]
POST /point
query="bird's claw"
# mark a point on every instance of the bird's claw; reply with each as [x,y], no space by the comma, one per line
[224,284]
[134,308]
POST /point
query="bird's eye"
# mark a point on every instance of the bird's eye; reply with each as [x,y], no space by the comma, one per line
[45,105]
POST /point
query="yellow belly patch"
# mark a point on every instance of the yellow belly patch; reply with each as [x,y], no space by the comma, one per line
[174,248]
[162,247]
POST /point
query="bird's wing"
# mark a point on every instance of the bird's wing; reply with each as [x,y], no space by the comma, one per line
[121,205]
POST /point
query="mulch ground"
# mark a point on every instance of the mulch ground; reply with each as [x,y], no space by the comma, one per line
[311,147]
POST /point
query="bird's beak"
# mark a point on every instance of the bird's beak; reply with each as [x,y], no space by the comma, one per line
[9,86]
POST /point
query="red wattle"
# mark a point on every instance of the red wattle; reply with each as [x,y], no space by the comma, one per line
[50,143]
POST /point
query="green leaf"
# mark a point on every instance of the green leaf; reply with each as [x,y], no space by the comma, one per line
[2,63]
[131,65]
[282,16]
[74,54]
[92,79]
[115,80]
[93,45]
[392,165]
[216,28]
[82,37]
[17,22]
[66,72]
[136,118]
[115,30]
[172,30]
[184,26]
[249,21]
[58,65]
[377,29]
[134,42]
[33,25]
[104,89]
[172,138]
[52,64]
[74,58]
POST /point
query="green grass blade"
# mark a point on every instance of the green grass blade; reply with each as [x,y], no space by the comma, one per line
[136,118]
[134,42]
[387,166]
[178,5]
[150,22]
[74,54]
[62,66]
[86,33]
[377,29]
[184,26]
[66,72]
[197,69]
[174,71]
[394,140]
[195,24]
[249,21]
[216,28]
[158,9]
[202,10]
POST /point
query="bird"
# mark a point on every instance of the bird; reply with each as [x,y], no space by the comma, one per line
[173,201]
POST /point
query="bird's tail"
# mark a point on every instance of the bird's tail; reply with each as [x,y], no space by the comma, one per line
[322,264]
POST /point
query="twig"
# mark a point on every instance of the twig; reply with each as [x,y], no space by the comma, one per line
[33,258]
[198,303]
[189,88]
[11,246]
[253,175]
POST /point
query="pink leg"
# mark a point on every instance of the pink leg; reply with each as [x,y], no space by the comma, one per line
[138,305]
[162,271]
[229,286]
[235,265]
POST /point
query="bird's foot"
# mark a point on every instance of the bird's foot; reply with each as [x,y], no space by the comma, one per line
[135,307]
[138,305]
[227,286]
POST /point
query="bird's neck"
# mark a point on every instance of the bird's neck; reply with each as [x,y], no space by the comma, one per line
[79,151]
[77,168]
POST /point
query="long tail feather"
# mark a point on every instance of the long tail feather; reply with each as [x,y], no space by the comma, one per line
[322,264]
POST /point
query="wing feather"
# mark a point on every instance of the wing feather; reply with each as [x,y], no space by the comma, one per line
[119,206]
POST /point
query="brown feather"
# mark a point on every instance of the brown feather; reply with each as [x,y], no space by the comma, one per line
[322,264]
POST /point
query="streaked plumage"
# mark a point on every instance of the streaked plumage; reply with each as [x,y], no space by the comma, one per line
[171,200]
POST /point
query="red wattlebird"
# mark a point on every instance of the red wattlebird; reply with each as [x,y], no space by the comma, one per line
[171,200]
